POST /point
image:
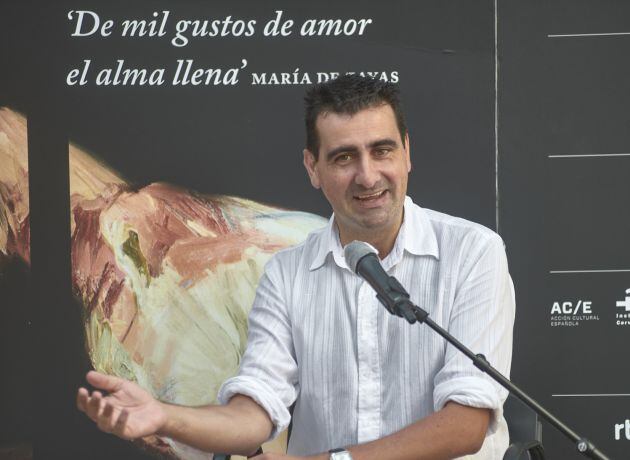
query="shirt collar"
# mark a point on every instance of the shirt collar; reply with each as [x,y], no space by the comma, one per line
[416,236]
[329,243]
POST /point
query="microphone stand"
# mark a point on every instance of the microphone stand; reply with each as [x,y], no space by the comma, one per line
[396,301]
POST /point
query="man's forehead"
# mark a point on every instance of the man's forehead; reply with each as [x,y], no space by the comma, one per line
[370,122]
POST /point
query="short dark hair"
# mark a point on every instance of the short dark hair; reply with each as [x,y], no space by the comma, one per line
[349,94]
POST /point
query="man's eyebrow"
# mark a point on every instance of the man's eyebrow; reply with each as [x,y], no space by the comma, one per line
[387,142]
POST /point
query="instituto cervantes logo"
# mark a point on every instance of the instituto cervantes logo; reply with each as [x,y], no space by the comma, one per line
[623,316]
[622,429]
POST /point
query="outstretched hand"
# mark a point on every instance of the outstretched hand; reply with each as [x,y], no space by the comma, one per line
[127,410]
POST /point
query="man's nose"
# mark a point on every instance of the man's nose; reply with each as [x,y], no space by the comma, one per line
[367,174]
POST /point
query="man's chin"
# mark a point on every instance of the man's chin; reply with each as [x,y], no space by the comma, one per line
[384,218]
[374,222]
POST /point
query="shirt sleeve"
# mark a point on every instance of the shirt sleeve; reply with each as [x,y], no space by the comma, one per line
[482,318]
[268,370]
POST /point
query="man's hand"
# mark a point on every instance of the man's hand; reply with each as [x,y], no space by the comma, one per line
[127,410]
[130,412]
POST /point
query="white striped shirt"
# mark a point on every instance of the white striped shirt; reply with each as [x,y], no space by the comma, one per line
[318,336]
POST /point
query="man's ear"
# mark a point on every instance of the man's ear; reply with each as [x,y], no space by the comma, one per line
[309,164]
[407,153]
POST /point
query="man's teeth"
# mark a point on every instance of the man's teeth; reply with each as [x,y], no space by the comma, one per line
[369,197]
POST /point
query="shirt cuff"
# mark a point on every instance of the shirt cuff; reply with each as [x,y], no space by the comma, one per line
[473,392]
[263,394]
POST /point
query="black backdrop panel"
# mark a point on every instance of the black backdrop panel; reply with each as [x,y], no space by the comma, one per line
[240,139]
[564,161]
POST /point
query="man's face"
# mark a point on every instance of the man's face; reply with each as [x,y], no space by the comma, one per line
[362,169]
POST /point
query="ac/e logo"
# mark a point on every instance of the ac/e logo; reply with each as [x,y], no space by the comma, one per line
[622,428]
[567,308]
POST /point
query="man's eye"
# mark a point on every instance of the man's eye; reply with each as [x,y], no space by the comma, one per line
[343,158]
[383,151]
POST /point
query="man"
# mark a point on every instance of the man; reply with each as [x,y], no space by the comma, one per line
[362,380]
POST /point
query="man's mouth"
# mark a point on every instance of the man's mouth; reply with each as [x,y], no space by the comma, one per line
[370,196]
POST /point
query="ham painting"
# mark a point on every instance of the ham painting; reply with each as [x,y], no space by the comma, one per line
[165,276]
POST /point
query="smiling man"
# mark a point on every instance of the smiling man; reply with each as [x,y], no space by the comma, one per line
[362,171]
[363,384]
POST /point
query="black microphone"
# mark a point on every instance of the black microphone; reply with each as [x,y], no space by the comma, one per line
[362,258]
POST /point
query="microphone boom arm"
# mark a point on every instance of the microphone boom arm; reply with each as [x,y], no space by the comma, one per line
[400,305]
[364,261]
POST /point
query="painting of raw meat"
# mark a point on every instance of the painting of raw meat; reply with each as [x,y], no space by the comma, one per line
[14,204]
[16,337]
[166,277]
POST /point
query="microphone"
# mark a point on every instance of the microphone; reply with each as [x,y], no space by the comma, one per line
[362,258]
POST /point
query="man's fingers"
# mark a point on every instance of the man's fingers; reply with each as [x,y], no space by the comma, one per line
[95,405]
[82,399]
[105,419]
[104,382]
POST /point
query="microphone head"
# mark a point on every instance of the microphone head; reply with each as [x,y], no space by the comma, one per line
[355,251]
